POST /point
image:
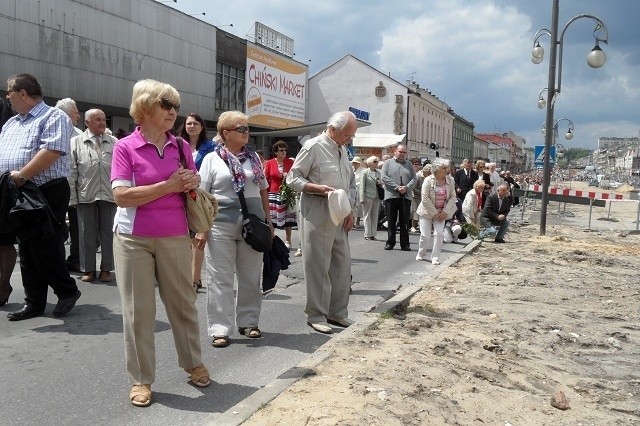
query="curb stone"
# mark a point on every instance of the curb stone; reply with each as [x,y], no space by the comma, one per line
[243,410]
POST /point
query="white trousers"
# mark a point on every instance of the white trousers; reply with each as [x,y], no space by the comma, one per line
[370,214]
[426,239]
[228,256]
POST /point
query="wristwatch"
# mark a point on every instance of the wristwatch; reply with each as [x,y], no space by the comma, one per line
[22,179]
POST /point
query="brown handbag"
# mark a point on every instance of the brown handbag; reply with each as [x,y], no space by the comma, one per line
[201,207]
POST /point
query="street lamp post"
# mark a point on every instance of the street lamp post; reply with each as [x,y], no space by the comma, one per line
[568,136]
[596,58]
[542,103]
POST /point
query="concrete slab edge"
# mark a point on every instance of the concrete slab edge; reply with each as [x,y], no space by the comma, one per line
[241,412]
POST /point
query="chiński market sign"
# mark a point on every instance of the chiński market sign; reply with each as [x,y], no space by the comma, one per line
[275,89]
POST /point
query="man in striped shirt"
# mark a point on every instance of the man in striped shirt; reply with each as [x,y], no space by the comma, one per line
[33,146]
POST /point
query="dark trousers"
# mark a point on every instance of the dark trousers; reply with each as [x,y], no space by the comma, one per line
[398,209]
[42,260]
[74,243]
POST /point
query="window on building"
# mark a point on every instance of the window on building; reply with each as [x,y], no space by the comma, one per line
[229,88]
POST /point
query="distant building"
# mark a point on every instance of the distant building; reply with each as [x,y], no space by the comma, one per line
[425,122]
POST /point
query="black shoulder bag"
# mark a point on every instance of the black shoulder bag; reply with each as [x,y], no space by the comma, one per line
[255,231]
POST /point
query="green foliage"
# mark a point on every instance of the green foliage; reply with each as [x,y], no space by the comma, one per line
[386,315]
[470,229]
[287,194]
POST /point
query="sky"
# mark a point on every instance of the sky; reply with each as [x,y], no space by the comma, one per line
[475,55]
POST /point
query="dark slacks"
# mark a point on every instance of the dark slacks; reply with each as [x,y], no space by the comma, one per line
[398,208]
[42,260]
[96,219]
[74,244]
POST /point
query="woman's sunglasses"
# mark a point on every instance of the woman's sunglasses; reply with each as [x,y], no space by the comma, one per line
[240,129]
[166,105]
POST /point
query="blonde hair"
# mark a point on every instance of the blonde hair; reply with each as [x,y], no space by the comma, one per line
[228,119]
[478,183]
[146,94]
[370,160]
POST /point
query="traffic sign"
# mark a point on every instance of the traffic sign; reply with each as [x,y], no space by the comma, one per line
[539,153]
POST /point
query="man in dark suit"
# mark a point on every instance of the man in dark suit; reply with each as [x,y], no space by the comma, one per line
[465,177]
[495,212]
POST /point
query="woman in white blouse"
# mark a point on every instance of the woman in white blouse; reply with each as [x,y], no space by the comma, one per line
[438,205]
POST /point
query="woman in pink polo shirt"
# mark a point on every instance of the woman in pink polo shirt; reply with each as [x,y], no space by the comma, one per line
[151,238]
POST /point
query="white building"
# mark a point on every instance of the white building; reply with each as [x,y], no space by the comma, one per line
[350,84]
[430,121]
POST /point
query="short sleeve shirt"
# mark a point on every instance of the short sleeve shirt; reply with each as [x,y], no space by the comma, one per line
[137,162]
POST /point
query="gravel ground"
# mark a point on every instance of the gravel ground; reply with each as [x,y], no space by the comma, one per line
[542,330]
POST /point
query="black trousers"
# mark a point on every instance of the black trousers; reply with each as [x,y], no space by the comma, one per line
[74,243]
[398,209]
[42,260]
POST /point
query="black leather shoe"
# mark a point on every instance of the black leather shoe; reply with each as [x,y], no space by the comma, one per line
[65,305]
[27,311]
[74,267]
[405,248]
[500,240]
[388,247]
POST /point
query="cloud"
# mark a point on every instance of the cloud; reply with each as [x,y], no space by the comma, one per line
[474,55]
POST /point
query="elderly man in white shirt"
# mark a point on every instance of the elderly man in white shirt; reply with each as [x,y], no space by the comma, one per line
[90,182]
[322,166]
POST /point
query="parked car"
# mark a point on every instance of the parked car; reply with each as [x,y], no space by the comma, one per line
[593,182]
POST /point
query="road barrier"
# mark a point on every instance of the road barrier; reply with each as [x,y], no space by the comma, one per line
[573,196]
[579,193]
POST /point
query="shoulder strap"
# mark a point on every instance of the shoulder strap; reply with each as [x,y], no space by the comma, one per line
[183,160]
[243,204]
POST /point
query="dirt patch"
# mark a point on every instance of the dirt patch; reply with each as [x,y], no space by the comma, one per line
[539,331]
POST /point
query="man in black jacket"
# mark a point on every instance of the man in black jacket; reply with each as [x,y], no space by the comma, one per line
[495,212]
[465,177]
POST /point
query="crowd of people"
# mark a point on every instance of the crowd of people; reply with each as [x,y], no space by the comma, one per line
[127,196]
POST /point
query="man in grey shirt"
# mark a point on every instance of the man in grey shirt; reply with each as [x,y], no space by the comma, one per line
[399,179]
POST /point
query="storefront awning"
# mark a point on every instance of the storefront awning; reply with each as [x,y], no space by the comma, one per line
[307,130]
[377,140]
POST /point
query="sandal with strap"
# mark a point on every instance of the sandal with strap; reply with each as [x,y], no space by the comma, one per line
[220,341]
[199,375]
[140,395]
[252,332]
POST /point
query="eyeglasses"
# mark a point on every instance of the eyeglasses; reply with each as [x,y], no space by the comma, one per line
[166,105]
[401,152]
[240,129]
[281,150]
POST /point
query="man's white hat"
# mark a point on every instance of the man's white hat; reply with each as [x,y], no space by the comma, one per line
[339,205]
